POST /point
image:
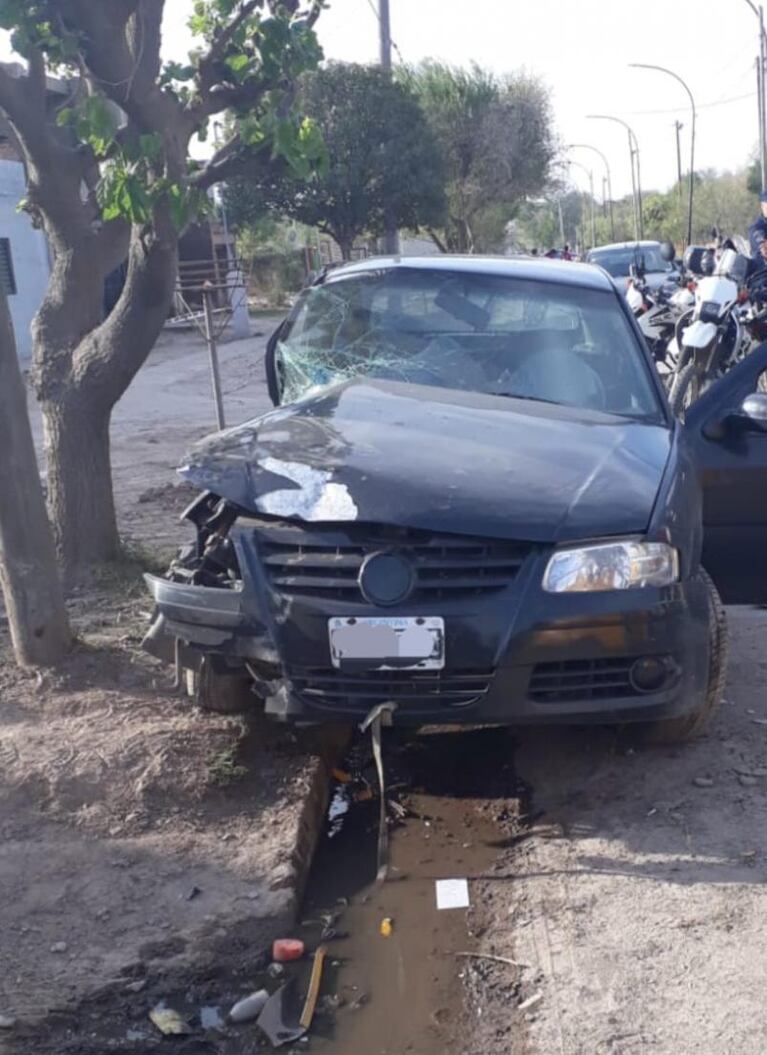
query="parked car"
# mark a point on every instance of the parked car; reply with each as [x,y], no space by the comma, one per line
[619,258]
[471,501]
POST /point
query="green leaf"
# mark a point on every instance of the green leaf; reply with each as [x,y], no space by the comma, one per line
[239,65]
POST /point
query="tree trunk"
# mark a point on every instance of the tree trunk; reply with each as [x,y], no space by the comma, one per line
[28,572]
[80,494]
[81,371]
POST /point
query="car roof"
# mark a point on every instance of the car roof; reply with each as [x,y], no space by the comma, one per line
[625,245]
[558,271]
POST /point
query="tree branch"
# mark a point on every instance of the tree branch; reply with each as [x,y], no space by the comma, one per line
[11,91]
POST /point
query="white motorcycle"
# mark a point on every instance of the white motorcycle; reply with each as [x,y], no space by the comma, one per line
[709,340]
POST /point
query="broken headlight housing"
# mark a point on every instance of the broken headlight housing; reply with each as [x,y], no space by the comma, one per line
[620,565]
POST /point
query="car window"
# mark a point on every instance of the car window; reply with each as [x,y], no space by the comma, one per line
[617,262]
[500,335]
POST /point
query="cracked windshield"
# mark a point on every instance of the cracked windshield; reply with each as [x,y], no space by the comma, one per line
[473,333]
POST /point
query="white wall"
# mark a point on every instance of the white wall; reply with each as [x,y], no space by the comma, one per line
[29,252]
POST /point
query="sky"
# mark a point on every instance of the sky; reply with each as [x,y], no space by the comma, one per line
[582,50]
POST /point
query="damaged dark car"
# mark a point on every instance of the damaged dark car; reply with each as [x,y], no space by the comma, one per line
[471,503]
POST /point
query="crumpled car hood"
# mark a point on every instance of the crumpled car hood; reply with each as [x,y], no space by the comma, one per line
[387,452]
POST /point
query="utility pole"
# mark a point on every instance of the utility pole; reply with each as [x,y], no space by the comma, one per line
[760,104]
[391,235]
[384,21]
[761,75]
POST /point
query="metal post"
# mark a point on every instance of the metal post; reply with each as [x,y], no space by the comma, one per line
[561,221]
[662,69]
[639,186]
[637,234]
[760,104]
[609,195]
[761,86]
[678,126]
[210,337]
[636,186]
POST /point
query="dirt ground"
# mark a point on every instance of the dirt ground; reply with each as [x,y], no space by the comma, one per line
[145,845]
[639,897]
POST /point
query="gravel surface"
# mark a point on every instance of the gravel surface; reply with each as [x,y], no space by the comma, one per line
[639,897]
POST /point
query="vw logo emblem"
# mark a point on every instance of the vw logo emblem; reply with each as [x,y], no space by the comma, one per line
[386,579]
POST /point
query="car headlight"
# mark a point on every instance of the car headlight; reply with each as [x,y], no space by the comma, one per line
[611,566]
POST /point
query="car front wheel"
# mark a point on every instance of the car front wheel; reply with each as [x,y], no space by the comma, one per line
[688,726]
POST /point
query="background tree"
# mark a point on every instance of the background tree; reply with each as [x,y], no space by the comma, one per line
[381,155]
[109,179]
[28,573]
[497,142]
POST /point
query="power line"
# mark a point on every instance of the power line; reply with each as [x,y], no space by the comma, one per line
[702,106]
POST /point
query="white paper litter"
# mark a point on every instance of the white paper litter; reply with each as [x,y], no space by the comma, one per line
[452,893]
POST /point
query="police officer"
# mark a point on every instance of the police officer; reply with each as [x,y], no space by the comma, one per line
[757,233]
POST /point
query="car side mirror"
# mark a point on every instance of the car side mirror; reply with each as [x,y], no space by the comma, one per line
[273,380]
[753,412]
[751,416]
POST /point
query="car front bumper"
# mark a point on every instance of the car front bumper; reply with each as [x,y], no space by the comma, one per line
[513,655]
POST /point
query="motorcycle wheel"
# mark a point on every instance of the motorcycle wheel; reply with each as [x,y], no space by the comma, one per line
[685,389]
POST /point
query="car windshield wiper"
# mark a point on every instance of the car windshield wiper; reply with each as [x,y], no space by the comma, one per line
[534,399]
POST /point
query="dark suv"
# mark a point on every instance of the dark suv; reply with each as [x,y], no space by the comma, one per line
[470,502]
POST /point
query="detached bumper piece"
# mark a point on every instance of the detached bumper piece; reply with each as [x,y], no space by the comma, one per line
[203,619]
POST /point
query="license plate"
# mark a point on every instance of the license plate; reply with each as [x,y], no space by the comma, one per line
[382,643]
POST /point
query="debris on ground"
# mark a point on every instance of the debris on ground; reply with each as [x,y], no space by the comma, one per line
[312,995]
[59,947]
[7,1022]
[530,1002]
[703,782]
[249,1007]
[386,928]
[169,1022]
[280,1019]
[285,950]
[452,893]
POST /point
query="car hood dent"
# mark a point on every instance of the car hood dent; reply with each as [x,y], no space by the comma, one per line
[389,452]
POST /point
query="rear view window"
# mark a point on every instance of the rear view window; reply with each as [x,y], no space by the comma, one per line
[617,262]
[480,333]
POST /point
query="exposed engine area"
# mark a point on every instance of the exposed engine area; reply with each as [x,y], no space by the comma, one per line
[211,560]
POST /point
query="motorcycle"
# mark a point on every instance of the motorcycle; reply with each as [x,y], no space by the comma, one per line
[657,310]
[710,338]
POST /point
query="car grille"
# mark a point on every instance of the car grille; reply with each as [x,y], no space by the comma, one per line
[325,561]
[422,690]
[582,679]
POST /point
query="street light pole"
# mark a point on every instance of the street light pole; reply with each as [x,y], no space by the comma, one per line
[678,126]
[590,175]
[662,69]
[588,146]
[636,182]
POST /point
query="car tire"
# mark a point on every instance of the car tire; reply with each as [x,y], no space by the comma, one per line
[212,690]
[688,726]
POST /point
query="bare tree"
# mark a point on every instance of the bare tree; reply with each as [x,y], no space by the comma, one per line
[110,181]
[28,573]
